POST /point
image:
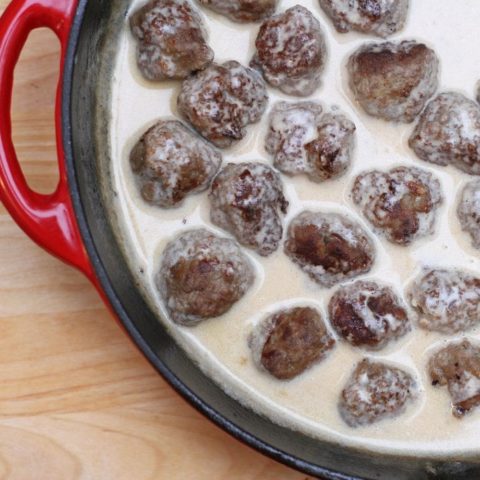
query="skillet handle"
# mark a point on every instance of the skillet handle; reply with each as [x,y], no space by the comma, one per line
[48,219]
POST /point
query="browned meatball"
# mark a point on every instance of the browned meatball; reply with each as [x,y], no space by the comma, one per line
[243,10]
[368,315]
[401,204]
[202,276]
[448,301]
[305,140]
[247,200]
[393,81]
[458,367]
[170,162]
[172,40]
[376,391]
[289,342]
[468,211]
[291,51]
[377,17]
[448,133]
[329,247]
[222,100]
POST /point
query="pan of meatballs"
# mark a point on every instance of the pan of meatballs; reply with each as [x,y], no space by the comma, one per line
[277,200]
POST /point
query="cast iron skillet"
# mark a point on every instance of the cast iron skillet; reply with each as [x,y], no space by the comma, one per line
[77,225]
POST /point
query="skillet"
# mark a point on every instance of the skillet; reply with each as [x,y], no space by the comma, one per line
[77,224]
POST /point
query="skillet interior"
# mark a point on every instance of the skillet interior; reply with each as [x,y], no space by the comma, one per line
[86,125]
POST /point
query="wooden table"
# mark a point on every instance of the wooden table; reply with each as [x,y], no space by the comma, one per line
[77,400]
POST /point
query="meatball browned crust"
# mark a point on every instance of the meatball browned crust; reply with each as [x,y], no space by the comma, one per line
[448,133]
[243,10]
[303,139]
[247,200]
[222,100]
[290,341]
[201,276]
[329,247]
[468,211]
[170,162]
[393,81]
[368,315]
[401,204]
[457,366]
[172,40]
[376,391]
[377,17]
[291,51]
[447,301]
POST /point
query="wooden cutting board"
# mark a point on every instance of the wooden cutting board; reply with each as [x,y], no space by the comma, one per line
[77,400]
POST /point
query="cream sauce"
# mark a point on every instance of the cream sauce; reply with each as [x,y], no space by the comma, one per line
[309,403]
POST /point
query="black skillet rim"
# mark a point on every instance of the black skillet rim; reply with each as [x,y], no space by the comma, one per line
[115,302]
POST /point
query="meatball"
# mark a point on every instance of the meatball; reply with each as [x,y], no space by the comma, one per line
[305,140]
[448,301]
[172,40]
[376,17]
[393,81]
[376,391]
[290,341]
[291,51]
[448,133]
[366,314]
[329,247]
[202,276]
[222,100]
[458,367]
[401,204]
[170,162]
[247,200]
[468,211]
[243,10]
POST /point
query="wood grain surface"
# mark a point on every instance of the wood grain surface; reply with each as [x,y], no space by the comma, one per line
[77,401]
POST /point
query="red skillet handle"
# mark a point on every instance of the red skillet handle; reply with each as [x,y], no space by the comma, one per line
[48,219]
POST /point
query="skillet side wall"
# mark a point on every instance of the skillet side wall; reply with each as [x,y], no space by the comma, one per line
[86,106]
